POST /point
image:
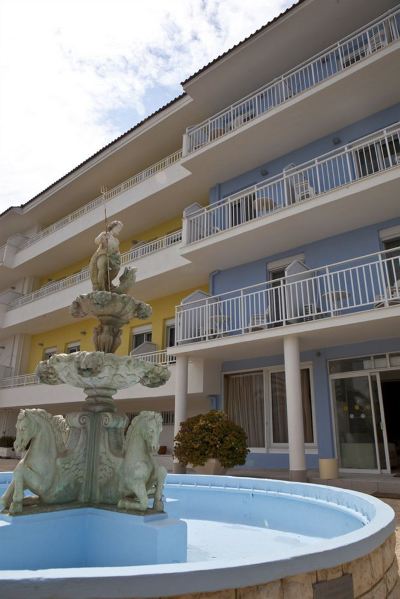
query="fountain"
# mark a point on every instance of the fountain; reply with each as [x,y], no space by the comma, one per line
[87,460]
[95,525]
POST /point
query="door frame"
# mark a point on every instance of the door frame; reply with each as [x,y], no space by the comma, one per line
[368,374]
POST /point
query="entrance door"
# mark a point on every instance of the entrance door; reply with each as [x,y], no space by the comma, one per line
[390,382]
[360,423]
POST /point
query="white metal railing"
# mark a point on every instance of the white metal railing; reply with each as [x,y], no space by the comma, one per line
[352,49]
[365,157]
[131,182]
[361,283]
[19,381]
[152,247]
[127,257]
[156,357]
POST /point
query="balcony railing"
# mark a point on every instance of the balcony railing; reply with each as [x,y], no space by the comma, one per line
[131,182]
[157,357]
[364,158]
[340,56]
[363,283]
[19,381]
[131,256]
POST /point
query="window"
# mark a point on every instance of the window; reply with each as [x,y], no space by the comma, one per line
[170,333]
[377,156]
[73,347]
[140,335]
[48,352]
[279,425]
[393,262]
[244,404]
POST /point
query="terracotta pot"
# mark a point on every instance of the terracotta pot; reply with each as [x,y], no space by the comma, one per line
[162,450]
[212,466]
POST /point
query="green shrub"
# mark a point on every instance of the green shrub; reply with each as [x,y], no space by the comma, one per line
[211,435]
[7,441]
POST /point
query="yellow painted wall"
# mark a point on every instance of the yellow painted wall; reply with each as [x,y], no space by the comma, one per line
[163,310]
[59,338]
[149,235]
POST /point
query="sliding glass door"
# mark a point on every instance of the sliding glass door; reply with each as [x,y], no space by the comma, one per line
[360,423]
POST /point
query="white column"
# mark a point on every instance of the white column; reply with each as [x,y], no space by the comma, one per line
[181,392]
[297,462]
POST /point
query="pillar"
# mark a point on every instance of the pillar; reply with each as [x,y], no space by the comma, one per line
[297,462]
[181,392]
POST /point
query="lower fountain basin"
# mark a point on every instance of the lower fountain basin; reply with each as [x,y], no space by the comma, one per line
[242,532]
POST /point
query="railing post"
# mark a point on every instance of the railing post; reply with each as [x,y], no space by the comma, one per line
[329,294]
[385,280]
[185,145]
[185,230]
[207,320]
[242,311]
[282,293]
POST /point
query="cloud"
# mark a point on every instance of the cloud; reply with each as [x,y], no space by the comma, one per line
[77,73]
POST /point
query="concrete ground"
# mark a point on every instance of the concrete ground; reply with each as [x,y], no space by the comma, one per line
[360,484]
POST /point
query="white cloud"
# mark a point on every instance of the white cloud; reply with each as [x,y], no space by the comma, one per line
[71,71]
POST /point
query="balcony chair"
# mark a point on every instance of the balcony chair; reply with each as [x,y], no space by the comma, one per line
[391,298]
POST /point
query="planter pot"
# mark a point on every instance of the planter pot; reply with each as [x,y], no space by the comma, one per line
[212,466]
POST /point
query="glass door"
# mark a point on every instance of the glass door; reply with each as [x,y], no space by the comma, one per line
[360,426]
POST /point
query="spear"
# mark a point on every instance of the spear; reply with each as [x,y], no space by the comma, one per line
[103,191]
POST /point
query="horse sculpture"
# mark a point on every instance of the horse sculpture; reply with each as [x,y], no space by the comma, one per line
[48,468]
[140,476]
[55,465]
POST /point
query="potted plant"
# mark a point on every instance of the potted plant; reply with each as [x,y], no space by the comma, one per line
[7,447]
[211,443]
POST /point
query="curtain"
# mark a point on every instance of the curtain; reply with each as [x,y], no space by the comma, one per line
[244,404]
[279,411]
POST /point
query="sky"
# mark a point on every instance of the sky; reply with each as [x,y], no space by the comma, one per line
[75,74]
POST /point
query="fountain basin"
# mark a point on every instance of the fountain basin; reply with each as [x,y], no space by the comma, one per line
[242,533]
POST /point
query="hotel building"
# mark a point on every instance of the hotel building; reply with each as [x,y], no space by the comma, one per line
[261,209]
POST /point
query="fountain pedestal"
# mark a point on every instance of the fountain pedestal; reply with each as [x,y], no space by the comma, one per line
[90,537]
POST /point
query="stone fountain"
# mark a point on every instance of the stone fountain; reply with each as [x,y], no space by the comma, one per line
[87,458]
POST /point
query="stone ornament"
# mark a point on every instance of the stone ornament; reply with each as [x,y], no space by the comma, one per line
[106,261]
[113,310]
[89,370]
[141,477]
[86,457]
[64,464]
[51,468]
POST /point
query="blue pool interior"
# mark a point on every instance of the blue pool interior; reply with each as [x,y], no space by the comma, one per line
[226,519]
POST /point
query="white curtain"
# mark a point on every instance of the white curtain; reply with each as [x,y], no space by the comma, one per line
[244,404]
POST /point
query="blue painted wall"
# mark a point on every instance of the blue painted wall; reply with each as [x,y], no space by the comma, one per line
[320,253]
[323,412]
[316,148]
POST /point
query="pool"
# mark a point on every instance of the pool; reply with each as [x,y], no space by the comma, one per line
[241,533]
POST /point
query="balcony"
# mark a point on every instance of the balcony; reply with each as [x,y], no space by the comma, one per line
[335,59]
[156,261]
[239,224]
[108,195]
[147,199]
[127,258]
[352,292]
[275,119]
